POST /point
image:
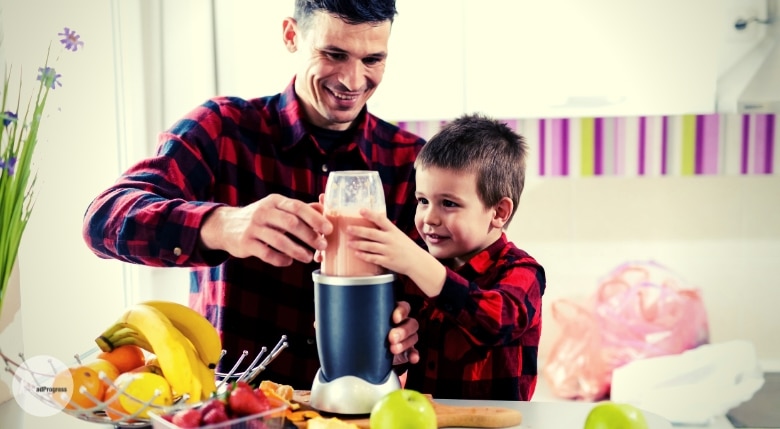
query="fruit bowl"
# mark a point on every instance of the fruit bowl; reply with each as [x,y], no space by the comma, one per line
[35,381]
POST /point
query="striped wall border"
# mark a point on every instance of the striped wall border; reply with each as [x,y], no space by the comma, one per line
[685,145]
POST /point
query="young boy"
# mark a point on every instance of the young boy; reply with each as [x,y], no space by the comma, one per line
[477,297]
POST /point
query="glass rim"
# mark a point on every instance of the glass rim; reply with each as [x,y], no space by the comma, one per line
[353,173]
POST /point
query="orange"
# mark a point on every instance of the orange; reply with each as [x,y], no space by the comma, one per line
[125,357]
[67,388]
[108,368]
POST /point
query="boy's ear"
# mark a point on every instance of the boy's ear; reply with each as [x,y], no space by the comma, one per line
[290,34]
[502,212]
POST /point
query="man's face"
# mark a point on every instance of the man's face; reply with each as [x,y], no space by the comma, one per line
[341,66]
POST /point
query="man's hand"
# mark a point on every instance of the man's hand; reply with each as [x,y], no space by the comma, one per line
[265,229]
[403,336]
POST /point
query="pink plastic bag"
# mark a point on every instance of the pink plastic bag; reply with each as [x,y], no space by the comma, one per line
[641,310]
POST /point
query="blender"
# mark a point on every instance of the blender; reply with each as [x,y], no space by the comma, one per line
[353,306]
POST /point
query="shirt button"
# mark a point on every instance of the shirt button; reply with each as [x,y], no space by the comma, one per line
[310,341]
[324,168]
[177,251]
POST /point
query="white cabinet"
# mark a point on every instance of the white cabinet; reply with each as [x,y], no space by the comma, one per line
[506,58]
[252,60]
[424,77]
[424,74]
[568,58]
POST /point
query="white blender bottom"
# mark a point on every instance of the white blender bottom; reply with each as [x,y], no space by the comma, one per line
[349,394]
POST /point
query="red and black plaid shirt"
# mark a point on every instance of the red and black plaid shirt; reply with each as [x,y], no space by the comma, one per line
[231,151]
[479,338]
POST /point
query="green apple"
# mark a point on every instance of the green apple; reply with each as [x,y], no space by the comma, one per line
[403,409]
[614,415]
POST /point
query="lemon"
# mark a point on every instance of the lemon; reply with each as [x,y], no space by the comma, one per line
[139,388]
[106,367]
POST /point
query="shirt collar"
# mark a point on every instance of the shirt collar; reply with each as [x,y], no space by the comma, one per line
[485,259]
[291,118]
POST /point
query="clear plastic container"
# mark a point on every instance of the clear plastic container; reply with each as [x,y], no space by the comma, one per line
[271,419]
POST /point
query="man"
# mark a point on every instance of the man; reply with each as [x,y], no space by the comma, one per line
[233,189]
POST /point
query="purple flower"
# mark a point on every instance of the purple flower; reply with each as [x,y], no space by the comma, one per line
[49,76]
[9,117]
[9,166]
[70,39]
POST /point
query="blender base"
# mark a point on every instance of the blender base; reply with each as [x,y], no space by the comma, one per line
[349,394]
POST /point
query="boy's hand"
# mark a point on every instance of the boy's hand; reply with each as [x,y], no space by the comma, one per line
[386,245]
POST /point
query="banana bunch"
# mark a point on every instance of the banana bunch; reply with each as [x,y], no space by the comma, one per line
[186,344]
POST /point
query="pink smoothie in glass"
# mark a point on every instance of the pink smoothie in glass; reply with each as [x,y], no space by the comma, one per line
[339,259]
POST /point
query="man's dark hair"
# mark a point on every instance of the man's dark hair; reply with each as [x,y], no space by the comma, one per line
[349,11]
[484,146]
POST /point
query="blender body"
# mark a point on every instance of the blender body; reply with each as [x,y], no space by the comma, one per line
[354,317]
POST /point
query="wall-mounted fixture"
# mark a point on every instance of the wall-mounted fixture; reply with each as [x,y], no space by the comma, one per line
[762,93]
[753,84]
[742,23]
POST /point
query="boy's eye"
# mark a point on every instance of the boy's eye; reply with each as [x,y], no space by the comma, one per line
[421,200]
[448,203]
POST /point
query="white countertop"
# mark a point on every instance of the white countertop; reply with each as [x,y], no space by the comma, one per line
[536,415]
[544,396]
[545,411]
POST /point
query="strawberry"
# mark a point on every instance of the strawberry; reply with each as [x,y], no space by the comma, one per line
[242,385]
[189,418]
[212,404]
[263,396]
[243,401]
[215,415]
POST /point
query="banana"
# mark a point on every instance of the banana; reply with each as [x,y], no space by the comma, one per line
[176,358]
[136,340]
[121,337]
[197,386]
[205,375]
[204,337]
[208,382]
[207,379]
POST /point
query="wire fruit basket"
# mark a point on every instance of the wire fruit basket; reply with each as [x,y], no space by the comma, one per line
[37,383]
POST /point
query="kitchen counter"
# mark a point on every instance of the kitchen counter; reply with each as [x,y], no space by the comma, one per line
[545,411]
[552,415]
[536,415]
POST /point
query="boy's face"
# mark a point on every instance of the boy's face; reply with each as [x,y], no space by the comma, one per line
[341,66]
[450,217]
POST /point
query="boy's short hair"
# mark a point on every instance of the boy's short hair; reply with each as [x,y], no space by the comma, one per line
[482,145]
[350,11]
